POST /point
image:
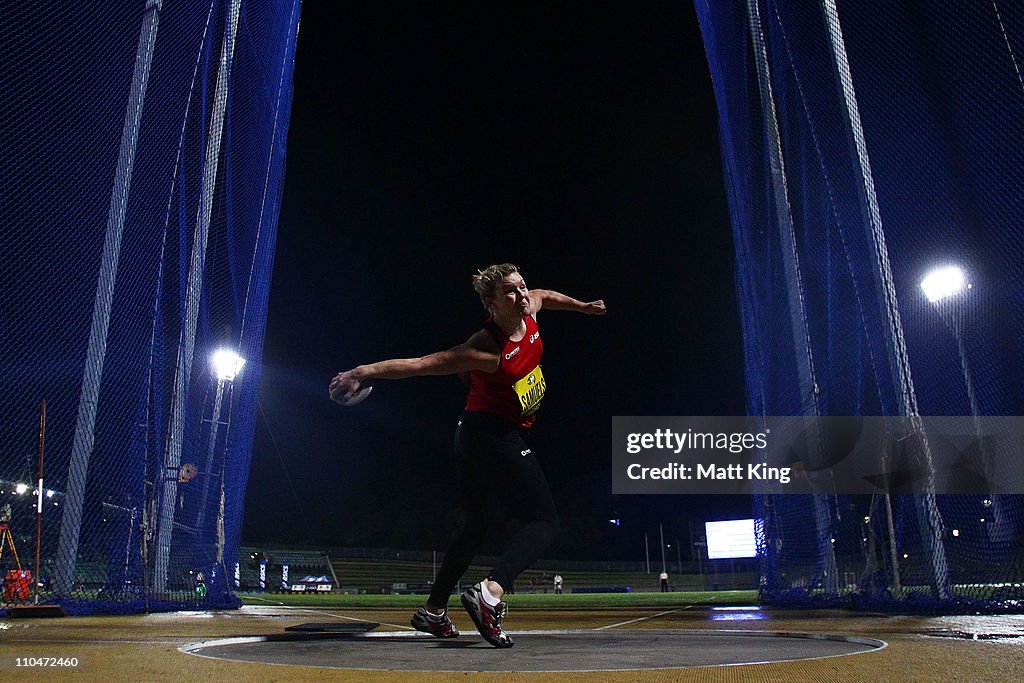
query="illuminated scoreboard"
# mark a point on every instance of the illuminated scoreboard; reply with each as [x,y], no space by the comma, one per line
[733,538]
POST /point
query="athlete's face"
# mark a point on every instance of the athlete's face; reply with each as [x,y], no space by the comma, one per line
[512,297]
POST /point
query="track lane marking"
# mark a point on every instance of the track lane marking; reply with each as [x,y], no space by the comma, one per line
[634,621]
[342,616]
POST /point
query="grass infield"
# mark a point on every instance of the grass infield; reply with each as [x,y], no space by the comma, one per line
[519,601]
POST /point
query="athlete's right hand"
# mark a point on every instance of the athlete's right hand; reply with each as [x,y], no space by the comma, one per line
[344,385]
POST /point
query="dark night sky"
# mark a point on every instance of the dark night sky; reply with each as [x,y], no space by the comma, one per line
[579,142]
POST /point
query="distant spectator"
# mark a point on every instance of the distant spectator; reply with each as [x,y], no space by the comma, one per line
[664,581]
[558,584]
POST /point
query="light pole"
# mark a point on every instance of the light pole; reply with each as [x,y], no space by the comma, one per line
[661,535]
[941,286]
[226,364]
[695,550]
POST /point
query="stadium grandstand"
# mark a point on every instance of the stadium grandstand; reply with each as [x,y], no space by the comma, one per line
[381,570]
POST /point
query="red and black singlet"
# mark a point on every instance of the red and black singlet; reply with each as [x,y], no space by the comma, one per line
[516,388]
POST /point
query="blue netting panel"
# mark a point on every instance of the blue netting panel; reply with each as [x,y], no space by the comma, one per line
[863,145]
[140,187]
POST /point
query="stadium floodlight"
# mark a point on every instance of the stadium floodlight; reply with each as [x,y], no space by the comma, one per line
[226,364]
[942,283]
[21,488]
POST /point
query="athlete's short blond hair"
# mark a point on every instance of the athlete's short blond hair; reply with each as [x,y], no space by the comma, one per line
[486,281]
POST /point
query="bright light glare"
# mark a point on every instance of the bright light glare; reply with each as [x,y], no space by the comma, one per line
[21,488]
[942,283]
[227,364]
[742,616]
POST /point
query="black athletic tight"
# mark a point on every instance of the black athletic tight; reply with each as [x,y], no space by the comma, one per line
[495,462]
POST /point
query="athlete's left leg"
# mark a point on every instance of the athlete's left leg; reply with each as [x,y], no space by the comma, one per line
[526,489]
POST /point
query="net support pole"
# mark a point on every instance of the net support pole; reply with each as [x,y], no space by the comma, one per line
[783,217]
[39,499]
[263,252]
[927,510]
[794,289]
[85,434]
[193,294]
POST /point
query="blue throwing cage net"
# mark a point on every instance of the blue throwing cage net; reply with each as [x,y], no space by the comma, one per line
[140,185]
[864,144]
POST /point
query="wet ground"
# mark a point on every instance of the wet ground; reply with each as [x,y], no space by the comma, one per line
[721,644]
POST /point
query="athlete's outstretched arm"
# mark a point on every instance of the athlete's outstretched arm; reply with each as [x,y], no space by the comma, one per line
[556,301]
[479,352]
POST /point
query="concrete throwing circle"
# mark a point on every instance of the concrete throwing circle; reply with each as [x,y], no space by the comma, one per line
[550,651]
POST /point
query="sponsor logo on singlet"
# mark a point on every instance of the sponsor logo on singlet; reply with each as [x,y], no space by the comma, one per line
[508,356]
[530,390]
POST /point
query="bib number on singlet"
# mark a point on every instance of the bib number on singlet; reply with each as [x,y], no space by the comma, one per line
[530,390]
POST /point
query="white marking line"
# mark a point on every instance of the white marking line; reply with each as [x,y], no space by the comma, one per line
[633,621]
[342,616]
[193,648]
[99,641]
[293,608]
[196,648]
